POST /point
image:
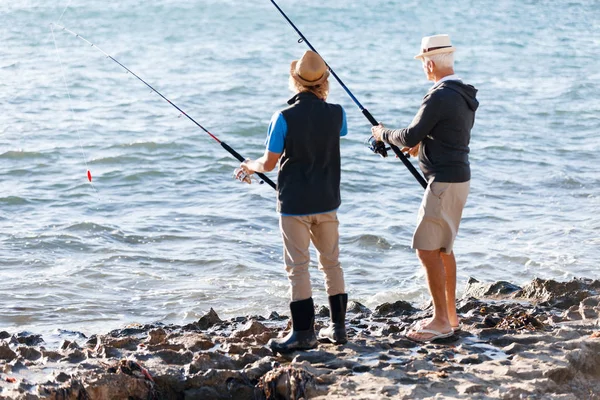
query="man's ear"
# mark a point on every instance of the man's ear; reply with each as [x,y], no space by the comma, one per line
[430,65]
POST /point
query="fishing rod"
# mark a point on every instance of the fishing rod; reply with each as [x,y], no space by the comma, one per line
[223,144]
[378,147]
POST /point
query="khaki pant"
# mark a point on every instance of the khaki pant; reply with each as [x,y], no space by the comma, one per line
[297,233]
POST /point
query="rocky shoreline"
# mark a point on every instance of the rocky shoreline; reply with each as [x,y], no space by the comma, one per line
[540,341]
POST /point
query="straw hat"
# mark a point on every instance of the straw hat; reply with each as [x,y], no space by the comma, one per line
[436,44]
[310,70]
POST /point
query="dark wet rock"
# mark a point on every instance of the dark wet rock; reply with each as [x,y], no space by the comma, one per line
[491,320]
[481,290]
[354,307]
[62,377]
[76,356]
[29,353]
[361,368]
[51,355]
[27,339]
[251,328]
[6,353]
[394,309]
[474,359]
[274,316]
[404,343]
[130,331]
[4,335]
[559,294]
[208,320]
[68,345]
[322,311]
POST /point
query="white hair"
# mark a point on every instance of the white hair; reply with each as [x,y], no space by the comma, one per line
[442,60]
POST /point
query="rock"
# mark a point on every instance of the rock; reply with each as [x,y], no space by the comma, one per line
[355,307]
[559,294]
[514,348]
[128,342]
[175,357]
[68,345]
[51,355]
[474,359]
[287,383]
[314,357]
[200,344]
[156,336]
[29,353]
[567,334]
[6,353]
[62,377]
[480,290]
[361,368]
[274,316]
[76,356]
[251,328]
[586,359]
[394,309]
[4,335]
[27,339]
[559,375]
[420,365]
[389,391]
[208,320]
[322,311]
[472,389]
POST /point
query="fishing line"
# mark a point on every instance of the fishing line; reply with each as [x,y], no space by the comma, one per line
[223,144]
[88,172]
[365,112]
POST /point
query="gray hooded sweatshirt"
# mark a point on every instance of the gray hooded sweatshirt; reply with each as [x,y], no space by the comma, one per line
[443,127]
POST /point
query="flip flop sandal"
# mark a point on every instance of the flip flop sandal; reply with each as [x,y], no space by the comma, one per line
[436,335]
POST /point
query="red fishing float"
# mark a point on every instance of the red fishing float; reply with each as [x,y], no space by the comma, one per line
[89,175]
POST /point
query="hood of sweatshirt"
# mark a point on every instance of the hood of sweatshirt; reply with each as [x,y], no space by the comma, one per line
[468,92]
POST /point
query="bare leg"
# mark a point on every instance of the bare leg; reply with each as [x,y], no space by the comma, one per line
[449,262]
[436,279]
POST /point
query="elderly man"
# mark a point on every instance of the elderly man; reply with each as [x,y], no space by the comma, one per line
[305,140]
[440,134]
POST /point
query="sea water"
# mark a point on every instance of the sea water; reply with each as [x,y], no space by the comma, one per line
[163,232]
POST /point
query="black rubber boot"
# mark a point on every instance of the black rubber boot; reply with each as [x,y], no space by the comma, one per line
[336,331]
[302,336]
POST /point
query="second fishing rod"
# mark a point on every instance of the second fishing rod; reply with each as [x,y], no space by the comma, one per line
[377,147]
[229,149]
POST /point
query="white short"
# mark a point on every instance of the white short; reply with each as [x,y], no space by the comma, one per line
[439,216]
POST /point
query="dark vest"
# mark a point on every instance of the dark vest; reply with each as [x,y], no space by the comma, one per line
[309,167]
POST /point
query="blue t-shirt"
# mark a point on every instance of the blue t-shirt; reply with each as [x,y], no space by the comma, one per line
[276,138]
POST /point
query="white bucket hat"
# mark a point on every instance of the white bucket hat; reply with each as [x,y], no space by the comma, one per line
[436,44]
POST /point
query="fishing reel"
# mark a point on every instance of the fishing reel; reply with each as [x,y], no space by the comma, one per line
[377,146]
[242,176]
